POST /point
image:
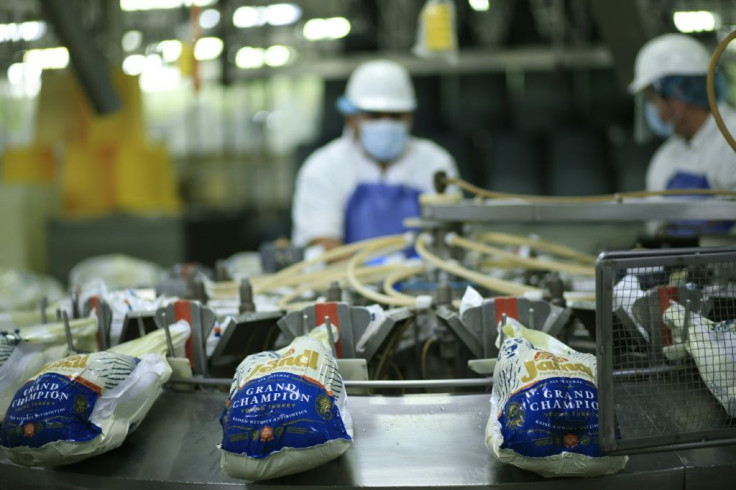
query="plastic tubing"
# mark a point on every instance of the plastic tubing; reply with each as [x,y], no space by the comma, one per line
[231,288]
[479,191]
[337,275]
[498,285]
[391,244]
[710,85]
[542,245]
[273,281]
[394,277]
[583,270]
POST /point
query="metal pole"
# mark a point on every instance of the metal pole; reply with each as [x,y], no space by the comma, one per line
[44,305]
[169,343]
[500,330]
[67,331]
[330,337]
[141,328]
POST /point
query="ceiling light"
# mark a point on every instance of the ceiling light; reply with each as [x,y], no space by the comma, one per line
[314,29]
[132,40]
[332,28]
[47,59]
[281,14]
[480,5]
[278,55]
[245,17]
[20,73]
[153,61]
[208,48]
[160,79]
[170,50]
[337,27]
[24,31]
[249,57]
[209,18]
[134,64]
[696,21]
[130,5]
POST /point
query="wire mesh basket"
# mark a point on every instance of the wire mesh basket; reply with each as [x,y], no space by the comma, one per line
[666,343]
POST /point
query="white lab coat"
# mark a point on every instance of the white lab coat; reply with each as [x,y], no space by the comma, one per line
[707,155]
[331,174]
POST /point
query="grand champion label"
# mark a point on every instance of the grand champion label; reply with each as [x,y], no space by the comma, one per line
[283,401]
[551,416]
[56,404]
[549,402]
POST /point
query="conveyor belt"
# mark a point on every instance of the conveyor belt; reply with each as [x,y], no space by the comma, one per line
[432,440]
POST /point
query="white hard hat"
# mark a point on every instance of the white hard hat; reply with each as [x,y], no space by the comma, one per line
[668,54]
[381,86]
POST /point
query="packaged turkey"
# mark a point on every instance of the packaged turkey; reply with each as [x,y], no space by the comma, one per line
[286,411]
[26,350]
[86,404]
[544,407]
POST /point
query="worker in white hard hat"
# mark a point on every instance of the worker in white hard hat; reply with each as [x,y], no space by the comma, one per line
[670,73]
[365,183]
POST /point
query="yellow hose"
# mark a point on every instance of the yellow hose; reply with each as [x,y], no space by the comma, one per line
[391,279]
[335,276]
[495,264]
[710,85]
[521,261]
[310,277]
[479,191]
[425,353]
[541,245]
[272,281]
[230,289]
[390,245]
[498,285]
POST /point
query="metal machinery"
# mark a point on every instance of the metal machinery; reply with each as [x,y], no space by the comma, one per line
[418,370]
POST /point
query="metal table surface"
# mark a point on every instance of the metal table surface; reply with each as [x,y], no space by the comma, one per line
[432,440]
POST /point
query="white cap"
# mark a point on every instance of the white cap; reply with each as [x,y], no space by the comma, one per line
[668,54]
[381,86]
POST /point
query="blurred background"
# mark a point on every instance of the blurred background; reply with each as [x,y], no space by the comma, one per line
[172,130]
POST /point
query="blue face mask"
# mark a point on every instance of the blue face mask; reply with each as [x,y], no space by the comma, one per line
[656,124]
[384,139]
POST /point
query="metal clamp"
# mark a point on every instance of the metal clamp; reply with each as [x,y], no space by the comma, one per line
[200,318]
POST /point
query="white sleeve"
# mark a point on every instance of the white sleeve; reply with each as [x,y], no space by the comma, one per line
[317,209]
[659,169]
[725,172]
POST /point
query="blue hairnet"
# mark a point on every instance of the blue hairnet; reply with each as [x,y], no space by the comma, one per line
[691,88]
[345,107]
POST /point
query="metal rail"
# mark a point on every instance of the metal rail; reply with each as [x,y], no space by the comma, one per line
[387,384]
[632,210]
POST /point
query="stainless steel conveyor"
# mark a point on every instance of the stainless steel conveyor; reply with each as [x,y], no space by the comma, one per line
[432,440]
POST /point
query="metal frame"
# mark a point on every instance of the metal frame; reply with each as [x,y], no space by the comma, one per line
[352,322]
[606,267]
[358,383]
[477,327]
[514,210]
[201,319]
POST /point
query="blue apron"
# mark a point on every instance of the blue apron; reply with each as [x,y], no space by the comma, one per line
[379,209]
[685,180]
